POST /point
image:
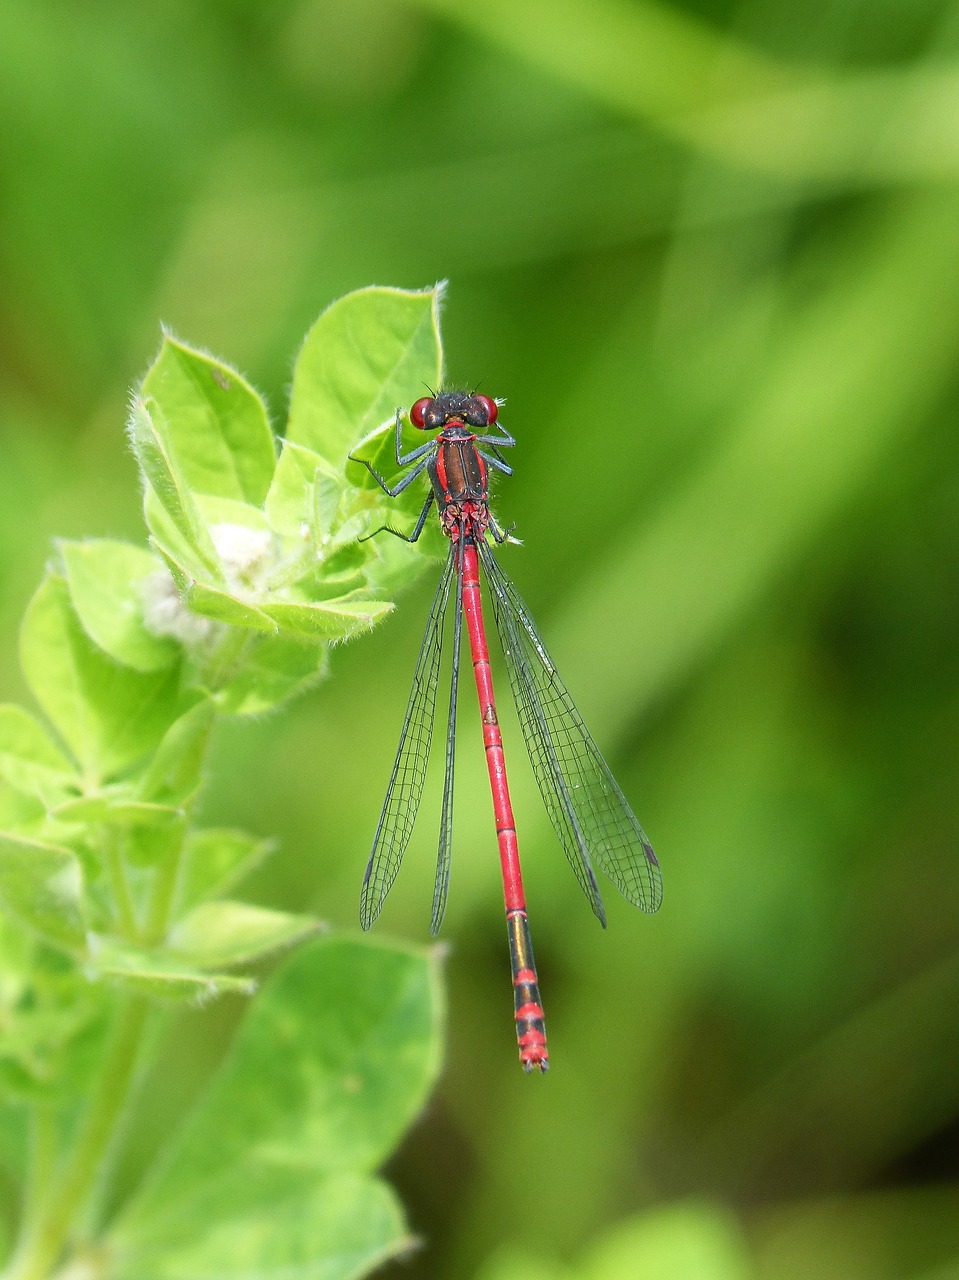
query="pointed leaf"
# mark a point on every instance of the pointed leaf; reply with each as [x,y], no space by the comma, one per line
[218,427]
[214,602]
[116,811]
[41,886]
[367,354]
[149,437]
[328,619]
[291,503]
[220,935]
[217,859]
[332,1062]
[105,580]
[173,774]
[29,759]
[159,973]
[109,715]
[166,534]
[211,602]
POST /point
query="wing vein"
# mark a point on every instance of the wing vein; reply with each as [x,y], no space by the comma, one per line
[405,790]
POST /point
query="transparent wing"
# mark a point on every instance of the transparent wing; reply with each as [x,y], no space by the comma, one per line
[405,788]
[442,883]
[590,814]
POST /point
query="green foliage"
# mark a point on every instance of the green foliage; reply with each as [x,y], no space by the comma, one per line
[683,1242]
[331,1064]
[113,898]
[710,254]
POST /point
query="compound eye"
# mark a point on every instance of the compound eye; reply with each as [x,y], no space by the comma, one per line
[418,412]
[491,407]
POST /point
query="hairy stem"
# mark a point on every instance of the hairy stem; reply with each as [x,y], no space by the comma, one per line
[47,1236]
[56,1201]
[227,658]
[162,896]
[42,1158]
[126,916]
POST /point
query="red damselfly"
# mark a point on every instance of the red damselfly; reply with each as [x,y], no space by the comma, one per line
[589,812]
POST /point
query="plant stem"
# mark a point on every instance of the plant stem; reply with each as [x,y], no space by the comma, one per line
[126,916]
[47,1226]
[43,1245]
[225,660]
[43,1150]
[162,895]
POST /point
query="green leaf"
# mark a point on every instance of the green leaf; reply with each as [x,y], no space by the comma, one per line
[214,602]
[150,439]
[29,759]
[118,810]
[217,859]
[41,886]
[147,845]
[109,715]
[217,425]
[336,1228]
[222,606]
[367,354]
[159,973]
[291,503]
[328,619]
[677,1241]
[219,935]
[215,509]
[173,775]
[332,1063]
[247,548]
[166,533]
[274,669]
[21,811]
[397,565]
[51,1019]
[105,580]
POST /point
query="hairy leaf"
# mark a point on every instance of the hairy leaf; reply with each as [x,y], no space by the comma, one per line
[108,714]
[41,886]
[224,934]
[217,859]
[218,428]
[173,773]
[106,586]
[150,438]
[159,972]
[29,759]
[367,354]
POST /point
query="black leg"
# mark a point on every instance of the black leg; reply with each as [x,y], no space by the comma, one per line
[404,459]
[498,462]
[499,535]
[395,490]
[504,439]
[407,537]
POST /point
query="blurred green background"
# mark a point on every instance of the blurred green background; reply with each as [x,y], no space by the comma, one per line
[710,253]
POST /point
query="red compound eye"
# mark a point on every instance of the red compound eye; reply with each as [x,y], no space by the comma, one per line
[491,407]
[418,412]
